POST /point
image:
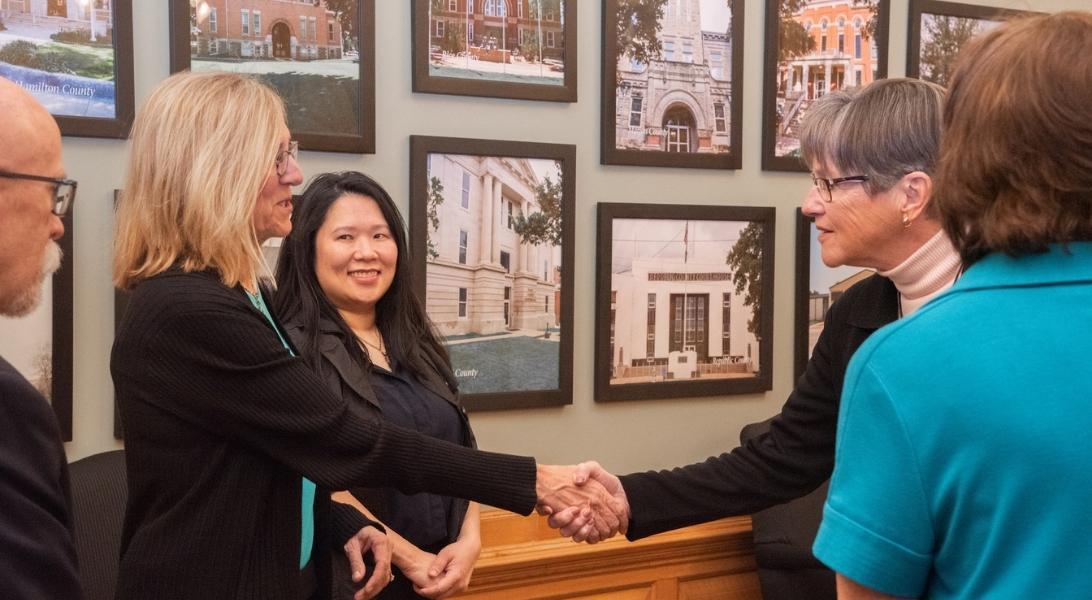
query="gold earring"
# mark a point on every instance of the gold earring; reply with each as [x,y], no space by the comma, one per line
[906,221]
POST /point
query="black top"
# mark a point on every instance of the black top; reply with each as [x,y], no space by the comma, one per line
[37,555]
[420,518]
[220,424]
[794,457]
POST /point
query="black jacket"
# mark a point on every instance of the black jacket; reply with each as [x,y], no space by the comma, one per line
[347,378]
[221,422]
[794,457]
[37,554]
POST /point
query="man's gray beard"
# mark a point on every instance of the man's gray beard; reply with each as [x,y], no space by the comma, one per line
[28,299]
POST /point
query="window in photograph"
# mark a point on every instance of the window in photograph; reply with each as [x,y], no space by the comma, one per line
[256,22]
[463,240]
[726,319]
[464,199]
[453,5]
[439,28]
[462,302]
[688,51]
[635,111]
[718,114]
[841,43]
[246,21]
[506,261]
[509,209]
[650,324]
[550,40]
[212,20]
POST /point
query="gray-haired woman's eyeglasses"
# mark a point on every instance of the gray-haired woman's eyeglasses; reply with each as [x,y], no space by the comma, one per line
[826,186]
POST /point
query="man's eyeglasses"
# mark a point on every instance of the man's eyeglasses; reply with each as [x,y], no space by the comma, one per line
[64,190]
[282,157]
[826,186]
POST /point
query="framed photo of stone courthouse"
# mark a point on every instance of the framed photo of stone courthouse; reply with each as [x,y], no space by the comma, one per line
[683,301]
[672,88]
[39,345]
[814,47]
[319,55]
[76,58]
[519,49]
[491,233]
[939,30]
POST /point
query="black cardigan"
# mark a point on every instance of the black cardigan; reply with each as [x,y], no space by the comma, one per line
[220,422]
[794,457]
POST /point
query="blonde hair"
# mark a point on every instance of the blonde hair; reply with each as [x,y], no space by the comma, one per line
[202,147]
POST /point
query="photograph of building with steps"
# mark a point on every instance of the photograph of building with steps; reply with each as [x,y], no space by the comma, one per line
[62,52]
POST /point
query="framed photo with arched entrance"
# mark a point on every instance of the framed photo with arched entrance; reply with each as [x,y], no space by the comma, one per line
[672,89]
[318,55]
[814,47]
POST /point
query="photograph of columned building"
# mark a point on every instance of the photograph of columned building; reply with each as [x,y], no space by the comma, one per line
[837,51]
[680,101]
[519,41]
[675,311]
[490,292]
[61,51]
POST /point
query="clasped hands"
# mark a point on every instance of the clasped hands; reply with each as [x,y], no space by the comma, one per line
[584,502]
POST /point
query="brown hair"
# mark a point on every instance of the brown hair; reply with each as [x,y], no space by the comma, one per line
[1015,165]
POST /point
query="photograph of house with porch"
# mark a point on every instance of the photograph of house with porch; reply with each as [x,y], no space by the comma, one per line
[675,310]
[826,45]
[514,41]
[62,52]
[493,272]
[305,49]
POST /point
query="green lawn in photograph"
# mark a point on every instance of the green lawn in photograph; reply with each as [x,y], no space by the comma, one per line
[511,364]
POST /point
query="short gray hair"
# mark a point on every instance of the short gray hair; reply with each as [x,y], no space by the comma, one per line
[884,130]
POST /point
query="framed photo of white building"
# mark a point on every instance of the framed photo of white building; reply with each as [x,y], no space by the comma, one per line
[76,58]
[491,228]
[684,301]
[817,288]
[319,55]
[519,49]
[39,345]
[672,88]
[814,47]
[939,30]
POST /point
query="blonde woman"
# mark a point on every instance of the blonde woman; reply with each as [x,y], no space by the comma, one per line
[227,432]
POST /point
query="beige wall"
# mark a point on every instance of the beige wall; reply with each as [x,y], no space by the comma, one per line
[620,435]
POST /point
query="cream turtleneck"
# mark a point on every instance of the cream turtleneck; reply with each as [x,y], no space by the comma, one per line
[926,273]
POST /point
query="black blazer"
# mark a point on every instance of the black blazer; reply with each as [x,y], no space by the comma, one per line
[794,457]
[348,379]
[37,554]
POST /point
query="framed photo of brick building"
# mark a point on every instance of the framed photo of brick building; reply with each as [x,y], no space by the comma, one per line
[817,288]
[76,58]
[938,30]
[39,345]
[520,49]
[814,47]
[491,230]
[672,89]
[683,301]
[319,55]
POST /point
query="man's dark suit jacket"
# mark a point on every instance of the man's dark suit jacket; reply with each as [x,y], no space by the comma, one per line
[793,458]
[37,555]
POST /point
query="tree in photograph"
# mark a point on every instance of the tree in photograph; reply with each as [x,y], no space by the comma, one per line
[745,259]
[793,40]
[454,40]
[432,213]
[345,13]
[636,26]
[530,47]
[874,16]
[543,227]
[43,366]
[941,39]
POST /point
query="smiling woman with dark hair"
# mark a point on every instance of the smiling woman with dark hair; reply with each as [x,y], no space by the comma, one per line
[959,473]
[346,294]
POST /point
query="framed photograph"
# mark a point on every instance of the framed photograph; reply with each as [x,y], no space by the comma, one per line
[684,301]
[672,83]
[817,288]
[814,47]
[76,58]
[39,345]
[319,55]
[939,30]
[519,49]
[491,229]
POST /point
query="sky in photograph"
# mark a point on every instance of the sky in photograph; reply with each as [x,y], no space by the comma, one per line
[715,15]
[928,21]
[707,242]
[822,276]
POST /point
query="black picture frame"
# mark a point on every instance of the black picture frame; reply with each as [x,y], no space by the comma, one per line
[783,92]
[280,33]
[426,75]
[652,127]
[75,84]
[817,288]
[639,277]
[499,364]
[920,9]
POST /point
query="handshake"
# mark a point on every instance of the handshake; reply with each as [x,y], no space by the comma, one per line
[584,502]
